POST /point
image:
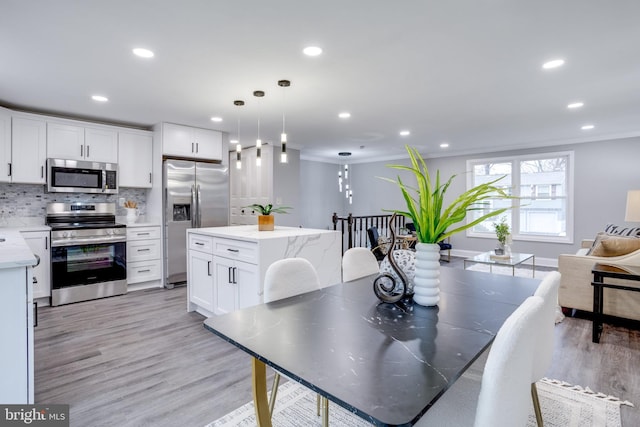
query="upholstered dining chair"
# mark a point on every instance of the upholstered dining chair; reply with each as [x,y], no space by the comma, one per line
[548,291]
[501,398]
[357,263]
[283,279]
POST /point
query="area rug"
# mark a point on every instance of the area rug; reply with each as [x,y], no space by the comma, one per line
[563,405]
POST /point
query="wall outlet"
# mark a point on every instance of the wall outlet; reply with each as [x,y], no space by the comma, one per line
[121,201]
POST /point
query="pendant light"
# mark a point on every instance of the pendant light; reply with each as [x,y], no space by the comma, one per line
[238,103]
[343,177]
[258,94]
[283,136]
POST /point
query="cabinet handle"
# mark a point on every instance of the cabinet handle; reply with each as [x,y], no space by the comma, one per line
[233,250]
[144,271]
[81,151]
[46,242]
[197,147]
[192,147]
[199,244]
[208,268]
[87,151]
[35,314]
[41,171]
[229,271]
[150,178]
[234,275]
[144,250]
[144,234]
[9,169]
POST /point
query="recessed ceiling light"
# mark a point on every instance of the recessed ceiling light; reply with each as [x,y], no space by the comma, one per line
[444,145]
[344,115]
[405,133]
[553,64]
[312,51]
[575,105]
[216,119]
[143,53]
[233,141]
[587,127]
[99,98]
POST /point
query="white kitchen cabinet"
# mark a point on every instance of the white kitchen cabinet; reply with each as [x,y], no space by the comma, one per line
[29,151]
[236,285]
[77,142]
[5,145]
[201,281]
[227,265]
[144,254]
[38,242]
[135,159]
[190,142]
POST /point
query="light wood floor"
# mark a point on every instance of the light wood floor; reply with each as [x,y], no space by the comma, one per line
[141,360]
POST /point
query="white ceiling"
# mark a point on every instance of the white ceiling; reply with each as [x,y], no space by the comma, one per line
[467,72]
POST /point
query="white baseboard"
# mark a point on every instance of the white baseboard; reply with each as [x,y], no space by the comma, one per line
[542,262]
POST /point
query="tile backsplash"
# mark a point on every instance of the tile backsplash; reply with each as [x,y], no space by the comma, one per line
[30,200]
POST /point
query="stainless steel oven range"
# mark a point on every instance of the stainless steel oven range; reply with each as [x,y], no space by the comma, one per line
[88,252]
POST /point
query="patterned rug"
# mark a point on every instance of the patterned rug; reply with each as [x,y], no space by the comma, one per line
[563,405]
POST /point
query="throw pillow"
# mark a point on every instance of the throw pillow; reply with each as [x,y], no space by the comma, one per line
[383,244]
[596,242]
[615,246]
[616,230]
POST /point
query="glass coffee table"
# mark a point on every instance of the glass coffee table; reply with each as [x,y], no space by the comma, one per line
[513,261]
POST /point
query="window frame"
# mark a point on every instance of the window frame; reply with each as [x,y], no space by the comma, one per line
[516,190]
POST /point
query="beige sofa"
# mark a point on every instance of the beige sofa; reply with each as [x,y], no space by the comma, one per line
[576,290]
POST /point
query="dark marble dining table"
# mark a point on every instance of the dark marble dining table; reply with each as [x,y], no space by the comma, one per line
[386,363]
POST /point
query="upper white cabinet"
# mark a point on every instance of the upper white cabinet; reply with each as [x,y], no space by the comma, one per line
[29,150]
[75,142]
[5,145]
[135,155]
[185,141]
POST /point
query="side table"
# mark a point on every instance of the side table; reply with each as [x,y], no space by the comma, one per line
[600,272]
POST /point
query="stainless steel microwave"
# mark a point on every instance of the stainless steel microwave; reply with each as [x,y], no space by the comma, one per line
[77,176]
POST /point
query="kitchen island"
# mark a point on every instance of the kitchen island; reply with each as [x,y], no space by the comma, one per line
[226,265]
[16,319]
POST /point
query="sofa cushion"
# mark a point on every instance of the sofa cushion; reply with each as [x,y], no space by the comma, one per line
[607,246]
[617,230]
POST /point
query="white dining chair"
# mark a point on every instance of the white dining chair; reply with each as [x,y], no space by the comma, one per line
[548,291]
[501,398]
[358,262]
[283,279]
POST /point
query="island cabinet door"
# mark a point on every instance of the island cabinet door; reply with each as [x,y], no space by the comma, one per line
[236,285]
[201,279]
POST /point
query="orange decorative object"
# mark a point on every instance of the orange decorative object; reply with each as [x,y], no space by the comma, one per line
[265,222]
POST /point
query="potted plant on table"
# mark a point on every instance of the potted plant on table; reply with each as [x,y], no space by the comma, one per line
[434,222]
[265,219]
[502,233]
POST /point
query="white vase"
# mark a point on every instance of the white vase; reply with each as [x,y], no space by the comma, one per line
[427,279]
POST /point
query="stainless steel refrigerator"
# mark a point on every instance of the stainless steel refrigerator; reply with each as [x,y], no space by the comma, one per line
[196,194]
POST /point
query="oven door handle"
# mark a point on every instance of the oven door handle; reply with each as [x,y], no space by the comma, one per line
[89,240]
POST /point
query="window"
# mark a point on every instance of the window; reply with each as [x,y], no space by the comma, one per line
[543,184]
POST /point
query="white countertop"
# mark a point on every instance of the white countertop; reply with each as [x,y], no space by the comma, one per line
[29,223]
[14,251]
[141,221]
[251,233]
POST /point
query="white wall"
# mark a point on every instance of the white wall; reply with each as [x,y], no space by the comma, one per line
[604,172]
[286,182]
[319,195]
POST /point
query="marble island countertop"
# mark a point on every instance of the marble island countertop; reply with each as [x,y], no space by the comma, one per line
[14,251]
[28,223]
[251,233]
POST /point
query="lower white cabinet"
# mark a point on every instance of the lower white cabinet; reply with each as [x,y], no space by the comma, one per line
[200,281]
[236,285]
[16,334]
[39,243]
[144,254]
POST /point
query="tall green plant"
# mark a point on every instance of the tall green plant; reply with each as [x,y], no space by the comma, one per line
[425,204]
